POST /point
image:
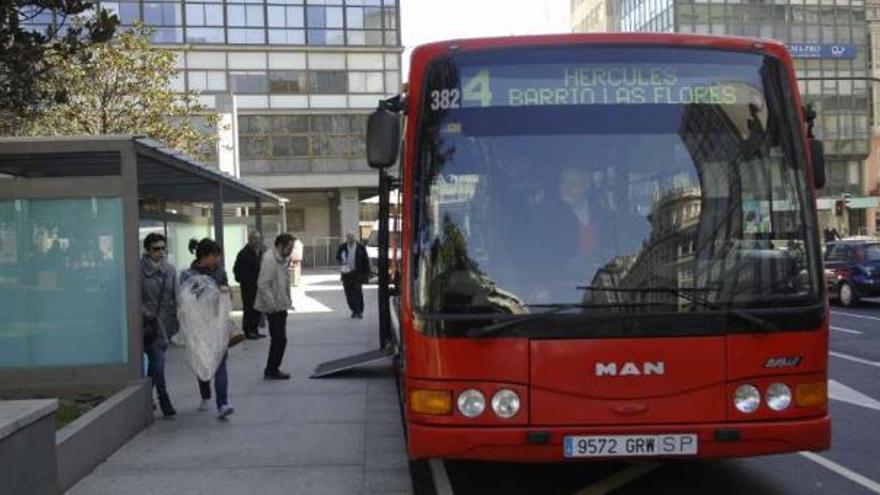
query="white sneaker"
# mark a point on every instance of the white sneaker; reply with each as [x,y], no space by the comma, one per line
[205,405]
[225,411]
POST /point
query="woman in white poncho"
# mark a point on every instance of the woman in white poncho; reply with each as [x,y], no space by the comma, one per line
[203,310]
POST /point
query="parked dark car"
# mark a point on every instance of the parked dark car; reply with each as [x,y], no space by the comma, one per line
[852,270]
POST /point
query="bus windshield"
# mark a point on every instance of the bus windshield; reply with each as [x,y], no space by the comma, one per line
[610,179]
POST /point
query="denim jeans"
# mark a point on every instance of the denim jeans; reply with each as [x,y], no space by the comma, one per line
[221,382]
[156,371]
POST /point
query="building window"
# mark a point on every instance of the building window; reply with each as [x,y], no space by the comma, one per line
[302,136]
[199,18]
[288,82]
[326,37]
[198,14]
[285,25]
[128,12]
[38,20]
[205,35]
[297,217]
[365,82]
[207,81]
[253,83]
[245,16]
[166,18]
[325,25]
[287,37]
[327,82]
[247,36]
[285,17]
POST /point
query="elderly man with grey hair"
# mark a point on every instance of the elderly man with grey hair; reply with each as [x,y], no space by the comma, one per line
[247,272]
[355,267]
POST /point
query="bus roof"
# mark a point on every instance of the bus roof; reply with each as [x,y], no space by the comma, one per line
[766,46]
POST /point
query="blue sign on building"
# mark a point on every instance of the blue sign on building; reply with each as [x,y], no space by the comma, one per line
[818,50]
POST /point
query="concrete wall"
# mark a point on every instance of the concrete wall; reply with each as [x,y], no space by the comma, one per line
[27,448]
[93,437]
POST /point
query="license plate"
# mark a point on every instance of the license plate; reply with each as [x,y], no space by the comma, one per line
[630,445]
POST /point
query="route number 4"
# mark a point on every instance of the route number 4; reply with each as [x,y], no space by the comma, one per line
[477,90]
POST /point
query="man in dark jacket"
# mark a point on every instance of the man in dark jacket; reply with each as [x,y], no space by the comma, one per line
[247,272]
[355,267]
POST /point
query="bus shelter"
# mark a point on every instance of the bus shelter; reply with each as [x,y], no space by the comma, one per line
[73,213]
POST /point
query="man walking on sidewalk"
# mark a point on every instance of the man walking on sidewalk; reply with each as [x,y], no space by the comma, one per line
[273,298]
[247,272]
[355,267]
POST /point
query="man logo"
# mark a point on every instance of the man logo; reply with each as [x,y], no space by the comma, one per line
[783,362]
[630,368]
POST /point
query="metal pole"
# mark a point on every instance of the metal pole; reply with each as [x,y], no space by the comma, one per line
[259,220]
[384,281]
[218,217]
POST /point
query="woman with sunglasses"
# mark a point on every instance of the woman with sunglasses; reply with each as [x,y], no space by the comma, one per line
[158,312]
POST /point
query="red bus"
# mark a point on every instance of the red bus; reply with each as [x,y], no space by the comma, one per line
[609,249]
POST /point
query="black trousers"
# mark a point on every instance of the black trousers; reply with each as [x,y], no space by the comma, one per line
[277,340]
[251,319]
[354,293]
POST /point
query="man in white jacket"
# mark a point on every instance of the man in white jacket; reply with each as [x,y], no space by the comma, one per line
[273,299]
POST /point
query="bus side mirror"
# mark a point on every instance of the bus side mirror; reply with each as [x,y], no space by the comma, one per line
[817,156]
[383,138]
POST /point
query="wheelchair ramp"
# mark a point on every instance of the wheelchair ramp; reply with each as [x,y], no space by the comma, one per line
[344,364]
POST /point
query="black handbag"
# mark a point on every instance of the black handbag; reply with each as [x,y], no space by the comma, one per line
[150,328]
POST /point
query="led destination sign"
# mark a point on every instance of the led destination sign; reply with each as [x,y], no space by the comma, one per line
[593,84]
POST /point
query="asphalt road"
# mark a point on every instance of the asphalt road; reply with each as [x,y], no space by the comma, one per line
[852,466]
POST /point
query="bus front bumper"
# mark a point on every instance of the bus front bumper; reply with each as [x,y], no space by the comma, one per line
[536,444]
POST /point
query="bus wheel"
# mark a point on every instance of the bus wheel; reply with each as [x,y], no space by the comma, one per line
[847,295]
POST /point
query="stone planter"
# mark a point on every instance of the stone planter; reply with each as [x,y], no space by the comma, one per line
[27,447]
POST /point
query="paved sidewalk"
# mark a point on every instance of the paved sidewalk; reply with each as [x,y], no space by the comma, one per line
[329,436]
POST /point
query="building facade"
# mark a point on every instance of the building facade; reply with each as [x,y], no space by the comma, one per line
[872,163]
[293,82]
[830,43]
[592,16]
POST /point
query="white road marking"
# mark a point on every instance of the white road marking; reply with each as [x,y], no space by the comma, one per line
[619,479]
[318,279]
[442,485]
[846,473]
[333,288]
[839,391]
[854,359]
[853,315]
[846,330]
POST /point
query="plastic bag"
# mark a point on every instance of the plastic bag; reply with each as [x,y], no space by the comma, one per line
[203,313]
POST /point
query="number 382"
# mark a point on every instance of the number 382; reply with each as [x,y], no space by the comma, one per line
[444,99]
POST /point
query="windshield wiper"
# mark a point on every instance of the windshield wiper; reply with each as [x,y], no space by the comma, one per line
[691,294]
[553,309]
[503,325]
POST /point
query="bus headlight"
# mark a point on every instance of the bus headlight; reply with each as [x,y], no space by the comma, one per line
[471,403]
[778,396]
[505,403]
[747,398]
